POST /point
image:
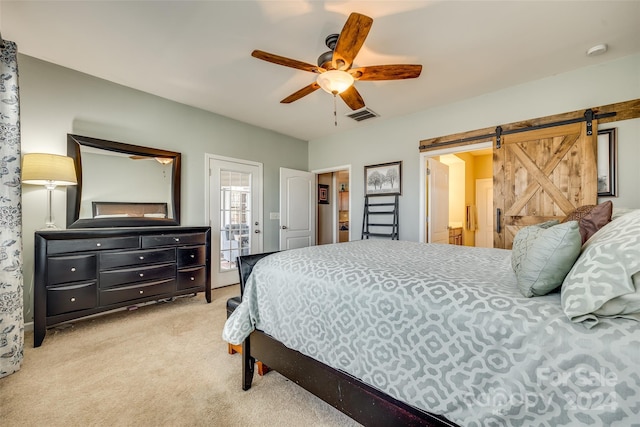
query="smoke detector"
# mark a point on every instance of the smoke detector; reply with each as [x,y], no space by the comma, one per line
[597,50]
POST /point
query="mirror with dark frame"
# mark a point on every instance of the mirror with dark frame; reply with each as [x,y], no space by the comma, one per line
[122,185]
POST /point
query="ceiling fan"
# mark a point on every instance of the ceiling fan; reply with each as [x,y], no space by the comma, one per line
[335,74]
[161,160]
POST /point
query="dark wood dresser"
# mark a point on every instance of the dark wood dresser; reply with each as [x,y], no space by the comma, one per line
[81,272]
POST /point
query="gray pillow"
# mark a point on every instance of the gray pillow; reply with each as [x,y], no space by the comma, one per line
[605,281]
[543,254]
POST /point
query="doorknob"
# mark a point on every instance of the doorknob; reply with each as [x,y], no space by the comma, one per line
[284,227]
[257,231]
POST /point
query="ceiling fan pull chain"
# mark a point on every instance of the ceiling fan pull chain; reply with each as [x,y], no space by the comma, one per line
[335,114]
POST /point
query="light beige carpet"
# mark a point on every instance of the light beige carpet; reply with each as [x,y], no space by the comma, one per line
[159,365]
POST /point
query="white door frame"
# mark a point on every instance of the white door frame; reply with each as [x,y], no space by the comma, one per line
[259,212]
[334,194]
[422,216]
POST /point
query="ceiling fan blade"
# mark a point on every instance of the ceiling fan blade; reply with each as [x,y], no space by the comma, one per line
[386,72]
[352,98]
[351,39]
[287,62]
[302,92]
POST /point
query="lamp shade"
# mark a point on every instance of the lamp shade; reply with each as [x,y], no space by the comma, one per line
[335,81]
[47,169]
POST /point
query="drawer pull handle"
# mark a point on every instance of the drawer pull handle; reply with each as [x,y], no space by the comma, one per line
[141,257]
[193,256]
[73,299]
[193,278]
[141,274]
[98,244]
[141,292]
[177,239]
[73,269]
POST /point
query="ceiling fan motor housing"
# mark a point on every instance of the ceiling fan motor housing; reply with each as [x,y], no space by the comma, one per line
[331,41]
[324,60]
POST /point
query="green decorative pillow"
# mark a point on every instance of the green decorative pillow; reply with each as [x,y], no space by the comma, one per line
[543,254]
[605,281]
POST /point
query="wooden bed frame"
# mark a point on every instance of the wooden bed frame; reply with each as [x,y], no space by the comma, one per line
[344,392]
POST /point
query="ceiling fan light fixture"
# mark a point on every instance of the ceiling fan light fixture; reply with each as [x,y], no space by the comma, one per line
[164,160]
[335,81]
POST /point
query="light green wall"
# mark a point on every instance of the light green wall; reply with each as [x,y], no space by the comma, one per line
[386,140]
[55,101]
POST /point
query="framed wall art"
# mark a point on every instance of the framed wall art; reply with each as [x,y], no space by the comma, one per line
[607,162]
[384,179]
[323,194]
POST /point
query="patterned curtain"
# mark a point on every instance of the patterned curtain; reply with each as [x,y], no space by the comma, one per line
[11,304]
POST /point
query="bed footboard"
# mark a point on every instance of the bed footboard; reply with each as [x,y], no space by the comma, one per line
[356,399]
[363,403]
[245,265]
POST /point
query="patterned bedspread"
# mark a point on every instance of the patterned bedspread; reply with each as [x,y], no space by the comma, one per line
[445,329]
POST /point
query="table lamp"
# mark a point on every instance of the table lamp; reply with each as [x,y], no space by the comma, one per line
[49,170]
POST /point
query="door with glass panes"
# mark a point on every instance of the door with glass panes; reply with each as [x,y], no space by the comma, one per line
[235,215]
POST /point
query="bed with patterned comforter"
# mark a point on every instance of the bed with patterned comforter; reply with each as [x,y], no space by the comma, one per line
[444,329]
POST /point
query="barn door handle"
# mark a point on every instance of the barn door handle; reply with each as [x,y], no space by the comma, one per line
[498,214]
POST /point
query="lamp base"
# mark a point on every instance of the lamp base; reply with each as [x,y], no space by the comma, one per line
[49,221]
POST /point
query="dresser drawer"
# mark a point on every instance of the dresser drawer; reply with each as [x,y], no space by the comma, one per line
[192,278]
[95,244]
[65,299]
[173,240]
[138,274]
[191,256]
[64,269]
[137,291]
[122,259]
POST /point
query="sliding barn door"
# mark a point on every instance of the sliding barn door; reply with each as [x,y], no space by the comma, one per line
[541,175]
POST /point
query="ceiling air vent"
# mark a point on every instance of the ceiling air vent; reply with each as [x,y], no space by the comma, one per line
[362,114]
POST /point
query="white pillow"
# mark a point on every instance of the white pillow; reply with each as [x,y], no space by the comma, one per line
[618,212]
[605,280]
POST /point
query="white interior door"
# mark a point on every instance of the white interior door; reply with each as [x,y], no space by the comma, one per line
[484,205]
[438,227]
[235,215]
[297,209]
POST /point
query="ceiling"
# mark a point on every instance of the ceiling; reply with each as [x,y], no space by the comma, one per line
[199,53]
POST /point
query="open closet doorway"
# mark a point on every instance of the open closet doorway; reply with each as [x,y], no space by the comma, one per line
[467,166]
[334,205]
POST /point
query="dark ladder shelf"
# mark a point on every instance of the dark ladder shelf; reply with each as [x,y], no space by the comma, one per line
[371,210]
